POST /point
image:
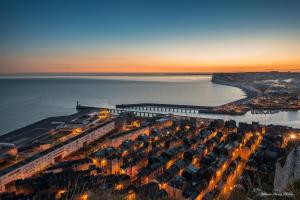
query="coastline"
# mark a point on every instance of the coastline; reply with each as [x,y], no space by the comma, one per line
[35,129]
[248,90]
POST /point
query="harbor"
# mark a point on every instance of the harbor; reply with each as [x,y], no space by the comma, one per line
[142,149]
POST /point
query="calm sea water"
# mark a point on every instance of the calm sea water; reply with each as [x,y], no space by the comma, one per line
[26,100]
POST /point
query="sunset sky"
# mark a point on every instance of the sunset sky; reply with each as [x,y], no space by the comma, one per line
[149,36]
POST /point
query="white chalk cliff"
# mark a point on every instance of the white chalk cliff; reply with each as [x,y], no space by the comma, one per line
[288,172]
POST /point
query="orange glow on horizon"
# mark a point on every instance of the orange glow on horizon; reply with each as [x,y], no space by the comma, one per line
[42,65]
[154,69]
[189,59]
[261,51]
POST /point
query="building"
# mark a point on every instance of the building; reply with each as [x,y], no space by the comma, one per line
[163,122]
[117,139]
[40,161]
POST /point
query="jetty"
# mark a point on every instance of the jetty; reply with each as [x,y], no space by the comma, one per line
[176,108]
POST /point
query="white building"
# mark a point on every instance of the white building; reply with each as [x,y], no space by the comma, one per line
[40,161]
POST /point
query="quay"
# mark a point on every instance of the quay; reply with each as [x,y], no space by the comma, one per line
[28,134]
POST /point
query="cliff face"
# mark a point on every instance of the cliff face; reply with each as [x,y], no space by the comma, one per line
[220,78]
[289,172]
[235,80]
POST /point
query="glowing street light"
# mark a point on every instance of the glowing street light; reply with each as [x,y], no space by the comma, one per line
[293,136]
[84,196]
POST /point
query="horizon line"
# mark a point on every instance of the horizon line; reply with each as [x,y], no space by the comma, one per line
[132,73]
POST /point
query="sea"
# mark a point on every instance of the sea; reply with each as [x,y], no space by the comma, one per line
[27,99]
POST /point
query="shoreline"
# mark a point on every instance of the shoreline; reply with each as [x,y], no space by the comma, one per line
[249,91]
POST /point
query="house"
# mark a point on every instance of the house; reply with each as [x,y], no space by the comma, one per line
[175,188]
[117,139]
[75,165]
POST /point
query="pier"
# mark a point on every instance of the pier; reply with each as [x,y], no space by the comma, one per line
[165,107]
[117,111]
[144,108]
[175,108]
[136,113]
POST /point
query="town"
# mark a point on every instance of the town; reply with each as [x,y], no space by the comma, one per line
[150,100]
[265,92]
[109,153]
